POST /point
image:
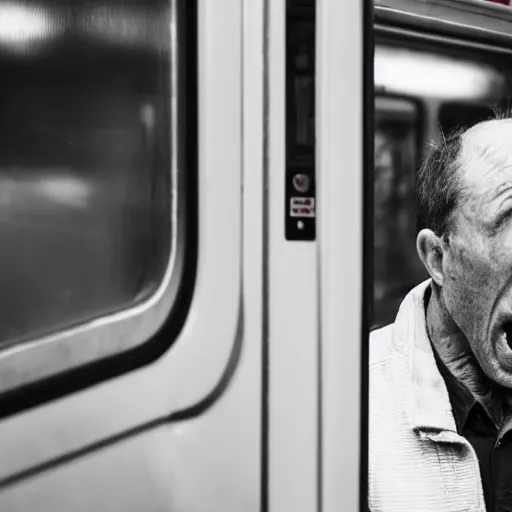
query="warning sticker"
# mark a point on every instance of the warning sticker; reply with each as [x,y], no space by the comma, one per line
[302,207]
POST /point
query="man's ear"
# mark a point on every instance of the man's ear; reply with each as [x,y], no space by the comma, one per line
[431,251]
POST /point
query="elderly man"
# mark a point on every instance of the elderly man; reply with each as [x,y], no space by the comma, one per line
[440,429]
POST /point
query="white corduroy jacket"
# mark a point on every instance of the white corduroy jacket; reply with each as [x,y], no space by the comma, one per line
[417,461]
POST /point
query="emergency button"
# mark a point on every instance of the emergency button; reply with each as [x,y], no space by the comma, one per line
[301,183]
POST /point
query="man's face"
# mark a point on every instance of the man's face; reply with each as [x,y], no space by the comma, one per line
[477,265]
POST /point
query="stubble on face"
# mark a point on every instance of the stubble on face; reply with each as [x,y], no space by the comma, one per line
[476,293]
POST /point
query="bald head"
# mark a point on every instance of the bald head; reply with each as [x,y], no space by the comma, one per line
[461,162]
[465,240]
[487,129]
[485,160]
[489,141]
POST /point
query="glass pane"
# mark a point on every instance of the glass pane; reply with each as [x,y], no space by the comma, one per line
[454,115]
[84,160]
[421,93]
[396,268]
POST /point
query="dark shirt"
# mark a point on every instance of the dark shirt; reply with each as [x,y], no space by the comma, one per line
[493,446]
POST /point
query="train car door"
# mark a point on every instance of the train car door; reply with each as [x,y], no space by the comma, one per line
[181,301]
[128,379]
[315,228]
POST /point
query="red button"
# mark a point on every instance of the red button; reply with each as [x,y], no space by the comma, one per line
[301,183]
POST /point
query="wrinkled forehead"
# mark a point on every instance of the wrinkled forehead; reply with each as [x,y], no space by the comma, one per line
[486,158]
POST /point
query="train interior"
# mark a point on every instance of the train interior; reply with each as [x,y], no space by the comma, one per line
[85,150]
[423,91]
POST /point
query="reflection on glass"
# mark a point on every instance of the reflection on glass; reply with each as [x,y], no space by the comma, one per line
[396,268]
[22,24]
[455,115]
[421,94]
[84,162]
[435,76]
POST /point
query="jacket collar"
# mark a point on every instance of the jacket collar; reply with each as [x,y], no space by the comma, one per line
[461,399]
[430,407]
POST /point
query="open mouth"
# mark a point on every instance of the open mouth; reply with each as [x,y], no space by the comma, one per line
[507,330]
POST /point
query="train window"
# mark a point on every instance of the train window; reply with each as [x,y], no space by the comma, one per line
[397,131]
[84,157]
[460,114]
[422,92]
[87,173]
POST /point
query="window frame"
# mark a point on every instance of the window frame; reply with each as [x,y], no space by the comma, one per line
[48,367]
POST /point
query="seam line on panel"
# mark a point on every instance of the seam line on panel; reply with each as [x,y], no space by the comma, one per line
[265,271]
